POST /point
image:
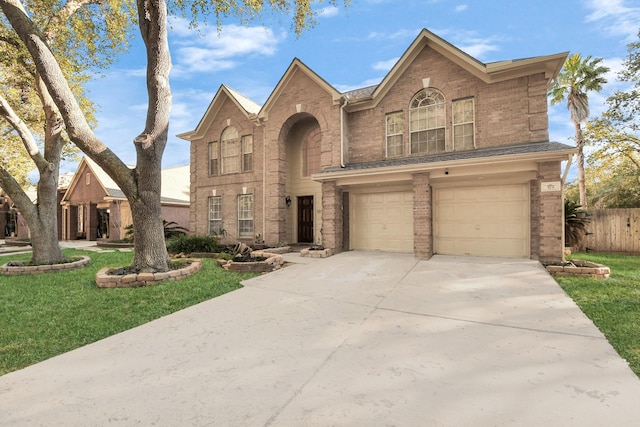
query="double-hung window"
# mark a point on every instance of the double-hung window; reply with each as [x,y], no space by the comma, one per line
[245,215]
[215,215]
[214,154]
[463,124]
[247,153]
[395,129]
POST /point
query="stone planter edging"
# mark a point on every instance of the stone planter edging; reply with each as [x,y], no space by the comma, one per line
[278,250]
[105,280]
[15,242]
[581,269]
[273,262]
[322,253]
[18,270]
[116,245]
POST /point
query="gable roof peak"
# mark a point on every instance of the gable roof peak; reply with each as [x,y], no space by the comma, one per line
[489,73]
[295,66]
[243,101]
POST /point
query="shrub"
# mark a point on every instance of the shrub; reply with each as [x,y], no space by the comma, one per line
[225,256]
[188,244]
[575,224]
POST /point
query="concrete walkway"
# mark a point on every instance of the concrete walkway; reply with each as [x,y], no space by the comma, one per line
[358,339]
[78,244]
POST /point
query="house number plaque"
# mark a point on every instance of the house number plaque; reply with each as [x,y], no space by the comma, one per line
[546,187]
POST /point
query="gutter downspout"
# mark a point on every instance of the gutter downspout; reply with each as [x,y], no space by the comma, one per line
[344,104]
[264,181]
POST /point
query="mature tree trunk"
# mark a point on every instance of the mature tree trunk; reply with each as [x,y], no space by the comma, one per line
[582,186]
[141,185]
[41,217]
[44,228]
[146,208]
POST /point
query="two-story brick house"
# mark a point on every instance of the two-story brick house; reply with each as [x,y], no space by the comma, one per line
[446,155]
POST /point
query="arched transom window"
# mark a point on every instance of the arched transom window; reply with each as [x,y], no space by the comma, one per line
[427,122]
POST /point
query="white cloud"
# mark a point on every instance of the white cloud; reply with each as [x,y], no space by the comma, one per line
[135,72]
[328,12]
[208,50]
[385,65]
[614,17]
[479,48]
[461,7]
[400,34]
[470,42]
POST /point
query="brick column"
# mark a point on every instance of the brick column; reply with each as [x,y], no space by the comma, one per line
[422,220]
[550,214]
[332,219]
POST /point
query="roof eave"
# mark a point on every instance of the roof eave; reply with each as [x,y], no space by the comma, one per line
[425,167]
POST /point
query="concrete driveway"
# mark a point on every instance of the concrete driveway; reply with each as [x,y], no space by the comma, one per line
[358,339]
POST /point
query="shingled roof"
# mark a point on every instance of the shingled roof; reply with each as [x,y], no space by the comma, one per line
[510,150]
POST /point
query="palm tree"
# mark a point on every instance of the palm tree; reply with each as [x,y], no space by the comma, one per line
[578,76]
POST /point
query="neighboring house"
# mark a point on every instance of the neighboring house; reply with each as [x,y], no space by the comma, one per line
[446,155]
[94,207]
[12,223]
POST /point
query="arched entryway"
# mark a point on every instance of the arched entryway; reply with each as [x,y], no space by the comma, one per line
[302,141]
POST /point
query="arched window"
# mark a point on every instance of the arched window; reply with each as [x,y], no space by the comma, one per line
[230,150]
[311,152]
[427,122]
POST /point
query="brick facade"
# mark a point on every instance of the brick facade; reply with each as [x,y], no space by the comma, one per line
[423,235]
[550,214]
[347,131]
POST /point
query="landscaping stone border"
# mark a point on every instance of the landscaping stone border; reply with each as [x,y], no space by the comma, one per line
[580,268]
[273,262]
[315,253]
[110,244]
[106,280]
[16,242]
[17,270]
[278,250]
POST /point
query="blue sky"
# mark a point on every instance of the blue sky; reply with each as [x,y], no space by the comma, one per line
[355,47]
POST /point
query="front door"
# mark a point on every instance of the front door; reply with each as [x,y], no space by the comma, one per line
[103,224]
[305,219]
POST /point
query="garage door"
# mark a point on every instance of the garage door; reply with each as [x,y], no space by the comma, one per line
[482,221]
[381,221]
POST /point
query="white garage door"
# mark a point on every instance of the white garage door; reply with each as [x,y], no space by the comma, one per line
[381,221]
[482,221]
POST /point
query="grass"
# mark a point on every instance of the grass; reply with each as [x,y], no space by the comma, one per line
[612,304]
[48,314]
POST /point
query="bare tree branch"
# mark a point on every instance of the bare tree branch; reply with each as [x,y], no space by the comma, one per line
[23,131]
[78,128]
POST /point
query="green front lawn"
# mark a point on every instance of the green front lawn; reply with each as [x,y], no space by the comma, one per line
[44,315]
[613,304]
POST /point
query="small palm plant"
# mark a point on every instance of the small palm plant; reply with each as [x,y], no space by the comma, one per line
[576,220]
[171,229]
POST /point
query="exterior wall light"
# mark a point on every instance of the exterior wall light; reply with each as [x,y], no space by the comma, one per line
[287,200]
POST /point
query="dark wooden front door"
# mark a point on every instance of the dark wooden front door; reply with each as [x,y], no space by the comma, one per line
[305,219]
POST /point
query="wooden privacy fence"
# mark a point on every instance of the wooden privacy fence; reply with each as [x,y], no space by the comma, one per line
[614,230]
